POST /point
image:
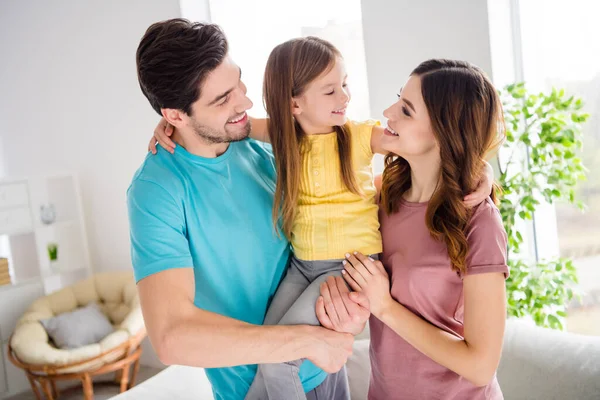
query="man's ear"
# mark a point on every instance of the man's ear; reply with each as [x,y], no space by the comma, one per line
[174,117]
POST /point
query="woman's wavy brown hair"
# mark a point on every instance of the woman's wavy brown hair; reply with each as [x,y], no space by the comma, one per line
[467,120]
[291,67]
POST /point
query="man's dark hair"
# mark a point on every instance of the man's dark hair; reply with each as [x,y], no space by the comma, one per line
[173,59]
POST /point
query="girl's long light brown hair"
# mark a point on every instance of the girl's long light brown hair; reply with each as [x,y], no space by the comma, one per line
[467,121]
[291,67]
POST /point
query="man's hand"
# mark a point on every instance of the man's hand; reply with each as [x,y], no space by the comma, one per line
[329,350]
[338,311]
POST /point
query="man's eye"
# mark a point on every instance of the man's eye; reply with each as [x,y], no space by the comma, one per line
[225,100]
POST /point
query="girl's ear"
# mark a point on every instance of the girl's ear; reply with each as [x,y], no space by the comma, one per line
[296,109]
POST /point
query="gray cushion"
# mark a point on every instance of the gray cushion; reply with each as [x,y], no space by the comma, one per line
[545,364]
[86,325]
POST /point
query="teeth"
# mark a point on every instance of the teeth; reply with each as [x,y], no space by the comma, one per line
[341,110]
[393,132]
[233,121]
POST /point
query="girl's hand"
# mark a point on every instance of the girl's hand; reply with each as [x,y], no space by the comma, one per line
[483,190]
[365,275]
[162,135]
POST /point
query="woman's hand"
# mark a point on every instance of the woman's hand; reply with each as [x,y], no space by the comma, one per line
[483,190]
[162,135]
[369,277]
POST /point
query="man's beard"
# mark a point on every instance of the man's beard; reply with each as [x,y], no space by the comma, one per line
[212,136]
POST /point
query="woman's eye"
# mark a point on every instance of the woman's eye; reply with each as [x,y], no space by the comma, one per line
[405,111]
[330,93]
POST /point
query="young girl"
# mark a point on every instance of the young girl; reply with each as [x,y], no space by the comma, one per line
[324,197]
[438,333]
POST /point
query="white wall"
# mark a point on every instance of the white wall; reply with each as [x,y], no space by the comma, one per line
[69,100]
[400,34]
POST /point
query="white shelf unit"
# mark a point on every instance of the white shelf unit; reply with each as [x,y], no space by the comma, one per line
[24,240]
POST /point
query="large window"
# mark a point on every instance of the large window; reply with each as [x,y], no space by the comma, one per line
[560,48]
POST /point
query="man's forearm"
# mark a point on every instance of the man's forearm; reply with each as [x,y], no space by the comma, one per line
[209,340]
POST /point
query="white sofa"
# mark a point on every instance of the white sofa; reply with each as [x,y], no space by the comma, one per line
[536,364]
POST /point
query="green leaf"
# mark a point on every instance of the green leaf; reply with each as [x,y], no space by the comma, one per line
[548,127]
[519,236]
[555,322]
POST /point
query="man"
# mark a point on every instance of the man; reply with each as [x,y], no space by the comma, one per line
[205,255]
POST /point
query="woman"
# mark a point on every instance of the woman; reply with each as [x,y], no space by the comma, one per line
[438,306]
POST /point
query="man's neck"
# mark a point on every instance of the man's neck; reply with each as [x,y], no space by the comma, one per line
[195,145]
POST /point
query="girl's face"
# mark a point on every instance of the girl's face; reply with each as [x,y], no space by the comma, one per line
[409,133]
[324,101]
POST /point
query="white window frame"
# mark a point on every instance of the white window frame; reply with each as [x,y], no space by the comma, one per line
[541,233]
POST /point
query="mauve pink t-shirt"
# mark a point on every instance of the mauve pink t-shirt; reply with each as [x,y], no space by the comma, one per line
[423,281]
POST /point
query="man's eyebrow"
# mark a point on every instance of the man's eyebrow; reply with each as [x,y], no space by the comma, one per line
[224,94]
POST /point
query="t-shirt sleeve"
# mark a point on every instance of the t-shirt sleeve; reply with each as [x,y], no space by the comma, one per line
[157,230]
[487,241]
[362,134]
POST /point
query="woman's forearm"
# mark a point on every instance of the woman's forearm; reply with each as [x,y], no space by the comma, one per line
[442,347]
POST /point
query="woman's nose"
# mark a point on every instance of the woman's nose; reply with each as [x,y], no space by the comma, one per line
[387,113]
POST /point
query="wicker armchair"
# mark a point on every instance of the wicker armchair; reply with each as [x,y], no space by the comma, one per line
[31,349]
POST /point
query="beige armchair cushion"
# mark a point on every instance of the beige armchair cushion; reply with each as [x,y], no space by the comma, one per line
[116,294]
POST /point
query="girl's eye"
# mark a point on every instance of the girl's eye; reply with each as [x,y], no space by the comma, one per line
[330,93]
[405,111]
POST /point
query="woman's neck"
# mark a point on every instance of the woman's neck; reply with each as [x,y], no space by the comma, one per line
[425,175]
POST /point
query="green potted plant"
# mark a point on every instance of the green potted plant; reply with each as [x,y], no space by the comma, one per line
[539,162]
[53,256]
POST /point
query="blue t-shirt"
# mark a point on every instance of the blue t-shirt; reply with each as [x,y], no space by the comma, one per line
[214,214]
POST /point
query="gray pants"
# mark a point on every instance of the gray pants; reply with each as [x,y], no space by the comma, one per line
[334,387]
[294,304]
